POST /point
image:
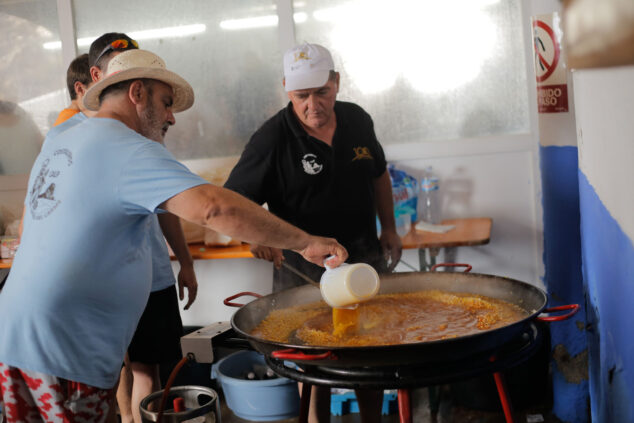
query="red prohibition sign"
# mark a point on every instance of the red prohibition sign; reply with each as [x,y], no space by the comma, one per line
[549,68]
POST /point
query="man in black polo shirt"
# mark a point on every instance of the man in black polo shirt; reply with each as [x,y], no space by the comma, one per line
[318,165]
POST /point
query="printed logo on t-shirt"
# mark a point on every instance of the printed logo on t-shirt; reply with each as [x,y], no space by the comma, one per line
[361,153]
[309,162]
[42,196]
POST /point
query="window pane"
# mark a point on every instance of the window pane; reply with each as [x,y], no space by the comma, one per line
[227,50]
[426,70]
[32,81]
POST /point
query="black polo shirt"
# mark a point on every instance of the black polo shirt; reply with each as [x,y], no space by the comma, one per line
[324,190]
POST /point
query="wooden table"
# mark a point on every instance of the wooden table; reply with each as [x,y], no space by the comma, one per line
[467,232]
[200,251]
[471,231]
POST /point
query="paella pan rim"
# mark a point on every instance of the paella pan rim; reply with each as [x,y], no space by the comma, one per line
[532,310]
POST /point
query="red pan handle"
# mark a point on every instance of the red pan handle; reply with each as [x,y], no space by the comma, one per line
[436,266]
[293,354]
[228,300]
[573,307]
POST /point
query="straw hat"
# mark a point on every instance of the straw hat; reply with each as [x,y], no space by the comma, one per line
[137,64]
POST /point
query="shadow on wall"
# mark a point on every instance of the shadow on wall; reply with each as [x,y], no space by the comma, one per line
[20,140]
[457,192]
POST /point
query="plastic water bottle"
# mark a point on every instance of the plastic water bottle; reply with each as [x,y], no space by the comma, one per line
[428,198]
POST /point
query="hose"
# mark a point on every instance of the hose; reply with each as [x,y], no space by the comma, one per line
[168,385]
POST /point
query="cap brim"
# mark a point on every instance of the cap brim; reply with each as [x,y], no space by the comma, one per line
[303,82]
[183,92]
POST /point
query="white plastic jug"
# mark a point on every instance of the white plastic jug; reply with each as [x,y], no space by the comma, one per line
[349,284]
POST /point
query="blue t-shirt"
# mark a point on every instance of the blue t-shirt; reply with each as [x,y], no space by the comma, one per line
[162,274]
[82,275]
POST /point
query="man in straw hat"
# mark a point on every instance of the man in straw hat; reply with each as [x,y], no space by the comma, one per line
[156,339]
[64,325]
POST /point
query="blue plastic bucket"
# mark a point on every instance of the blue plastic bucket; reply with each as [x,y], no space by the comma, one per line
[259,400]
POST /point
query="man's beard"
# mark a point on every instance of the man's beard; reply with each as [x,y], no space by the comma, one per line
[151,126]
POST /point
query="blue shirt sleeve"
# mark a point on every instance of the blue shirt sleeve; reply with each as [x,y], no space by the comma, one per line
[151,177]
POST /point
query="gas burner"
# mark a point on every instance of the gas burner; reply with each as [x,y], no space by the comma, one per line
[422,374]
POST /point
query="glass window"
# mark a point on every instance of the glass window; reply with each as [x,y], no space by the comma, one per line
[227,50]
[32,81]
[426,70]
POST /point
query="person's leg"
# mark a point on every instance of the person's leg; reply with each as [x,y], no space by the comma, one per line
[319,411]
[18,401]
[146,380]
[156,341]
[124,392]
[319,408]
[370,403]
[32,396]
[89,404]
[112,416]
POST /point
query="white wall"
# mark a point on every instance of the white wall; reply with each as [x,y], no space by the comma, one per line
[605,130]
[219,279]
[605,116]
[499,185]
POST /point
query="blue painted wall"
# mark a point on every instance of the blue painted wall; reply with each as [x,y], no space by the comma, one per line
[608,270]
[564,281]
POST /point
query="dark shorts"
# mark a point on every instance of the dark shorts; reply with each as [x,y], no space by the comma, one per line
[157,336]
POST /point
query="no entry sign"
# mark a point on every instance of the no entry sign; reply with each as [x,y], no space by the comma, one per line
[550,72]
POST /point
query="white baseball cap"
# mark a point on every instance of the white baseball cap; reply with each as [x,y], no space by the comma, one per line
[307,66]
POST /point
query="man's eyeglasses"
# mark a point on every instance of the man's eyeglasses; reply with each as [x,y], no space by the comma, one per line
[117,45]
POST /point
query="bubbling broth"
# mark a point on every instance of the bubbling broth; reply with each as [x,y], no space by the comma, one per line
[391,319]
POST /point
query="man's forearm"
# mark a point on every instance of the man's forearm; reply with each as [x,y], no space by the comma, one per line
[173,232]
[234,215]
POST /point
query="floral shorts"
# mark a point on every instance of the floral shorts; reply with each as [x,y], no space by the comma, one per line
[28,396]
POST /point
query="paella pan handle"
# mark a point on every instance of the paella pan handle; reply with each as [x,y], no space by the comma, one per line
[436,266]
[573,307]
[293,354]
[228,300]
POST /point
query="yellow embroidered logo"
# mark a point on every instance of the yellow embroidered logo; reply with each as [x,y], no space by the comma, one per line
[301,56]
[362,153]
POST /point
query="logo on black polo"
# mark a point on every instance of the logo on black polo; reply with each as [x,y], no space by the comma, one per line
[42,195]
[361,153]
[309,162]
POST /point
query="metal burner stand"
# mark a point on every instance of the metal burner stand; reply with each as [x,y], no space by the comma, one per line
[406,377]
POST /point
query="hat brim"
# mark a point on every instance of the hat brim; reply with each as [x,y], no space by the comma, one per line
[182,91]
[303,82]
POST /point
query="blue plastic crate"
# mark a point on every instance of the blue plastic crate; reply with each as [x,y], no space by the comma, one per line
[346,403]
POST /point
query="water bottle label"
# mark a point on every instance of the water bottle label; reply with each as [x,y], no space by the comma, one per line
[427,185]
